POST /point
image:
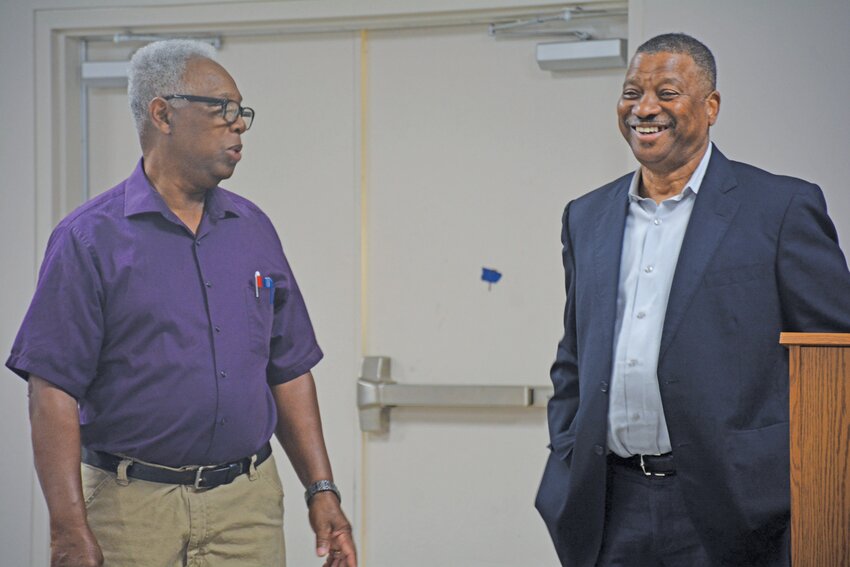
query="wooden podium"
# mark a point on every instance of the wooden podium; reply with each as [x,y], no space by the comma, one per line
[820,448]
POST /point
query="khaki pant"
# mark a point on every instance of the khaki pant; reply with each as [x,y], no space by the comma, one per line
[149,524]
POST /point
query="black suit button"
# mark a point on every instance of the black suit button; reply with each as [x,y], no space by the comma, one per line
[598,449]
[604,387]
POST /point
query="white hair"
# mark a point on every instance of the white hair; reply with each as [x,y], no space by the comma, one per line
[157,70]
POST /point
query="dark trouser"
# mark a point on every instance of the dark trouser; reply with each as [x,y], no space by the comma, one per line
[646,523]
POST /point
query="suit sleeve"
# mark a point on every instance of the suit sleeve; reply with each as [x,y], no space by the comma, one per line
[812,273]
[563,405]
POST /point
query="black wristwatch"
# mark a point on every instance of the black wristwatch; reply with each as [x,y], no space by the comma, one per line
[321,486]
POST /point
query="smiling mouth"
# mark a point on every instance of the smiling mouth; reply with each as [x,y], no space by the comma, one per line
[649,128]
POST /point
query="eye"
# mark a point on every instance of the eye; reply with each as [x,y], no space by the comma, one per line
[630,94]
[667,94]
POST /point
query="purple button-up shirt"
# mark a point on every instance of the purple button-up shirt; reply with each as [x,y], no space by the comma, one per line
[161,335]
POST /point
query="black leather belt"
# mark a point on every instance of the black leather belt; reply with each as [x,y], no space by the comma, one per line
[206,476]
[650,465]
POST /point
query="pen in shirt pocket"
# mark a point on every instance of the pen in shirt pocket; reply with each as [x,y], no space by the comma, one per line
[263,282]
[267,282]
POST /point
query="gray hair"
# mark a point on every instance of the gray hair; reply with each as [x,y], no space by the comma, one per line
[157,69]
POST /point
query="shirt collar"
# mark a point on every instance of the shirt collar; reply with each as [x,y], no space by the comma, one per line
[694,183]
[141,197]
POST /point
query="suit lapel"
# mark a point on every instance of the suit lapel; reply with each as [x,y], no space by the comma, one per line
[610,224]
[713,211]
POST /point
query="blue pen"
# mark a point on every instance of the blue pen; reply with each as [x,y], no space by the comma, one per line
[267,282]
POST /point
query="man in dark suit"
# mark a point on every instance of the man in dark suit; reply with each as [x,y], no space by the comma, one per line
[669,419]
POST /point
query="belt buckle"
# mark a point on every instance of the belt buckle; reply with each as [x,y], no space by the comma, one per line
[199,478]
[646,472]
[231,470]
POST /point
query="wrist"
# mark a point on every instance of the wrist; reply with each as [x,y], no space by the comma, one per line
[321,487]
[66,526]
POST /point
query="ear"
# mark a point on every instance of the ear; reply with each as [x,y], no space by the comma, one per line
[160,115]
[712,107]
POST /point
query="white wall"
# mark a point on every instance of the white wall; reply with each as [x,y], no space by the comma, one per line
[782,73]
[17,258]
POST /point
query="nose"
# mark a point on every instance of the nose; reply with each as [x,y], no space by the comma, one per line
[646,106]
[239,126]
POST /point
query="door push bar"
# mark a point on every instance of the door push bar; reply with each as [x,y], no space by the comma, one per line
[377,393]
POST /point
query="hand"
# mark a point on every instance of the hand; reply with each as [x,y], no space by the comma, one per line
[333,532]
[74,547]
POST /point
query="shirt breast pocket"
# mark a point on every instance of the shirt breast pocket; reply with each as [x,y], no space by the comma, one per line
[260,316]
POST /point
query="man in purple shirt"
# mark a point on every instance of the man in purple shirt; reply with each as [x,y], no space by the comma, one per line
[166,342]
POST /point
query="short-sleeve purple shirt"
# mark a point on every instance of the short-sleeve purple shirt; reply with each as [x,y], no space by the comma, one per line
[160,334]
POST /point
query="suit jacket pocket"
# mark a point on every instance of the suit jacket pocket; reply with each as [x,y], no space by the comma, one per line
[737,274]
[562,444]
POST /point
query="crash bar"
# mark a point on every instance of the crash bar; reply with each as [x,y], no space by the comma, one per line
[377,393]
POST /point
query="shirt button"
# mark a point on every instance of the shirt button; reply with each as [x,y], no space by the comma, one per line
[649,269]
[656,222]
[217,329]
[223,374]
[223,421]
[633,362]
[635,417]
[598,449]
[208,284]
[641,315]
[604,387]
[197,243]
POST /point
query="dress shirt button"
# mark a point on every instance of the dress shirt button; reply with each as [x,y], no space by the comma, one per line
[632,362]
[649,269]
[599,449]
[604,387]
[223,374]
[223,421]
[197,243]
[217,329]
[656,222]
[641,315]
[208,284]
[635,417]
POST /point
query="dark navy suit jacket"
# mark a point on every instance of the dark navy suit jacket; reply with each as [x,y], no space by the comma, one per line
[760,256]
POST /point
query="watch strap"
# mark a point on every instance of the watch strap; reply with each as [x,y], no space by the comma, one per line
[321,486]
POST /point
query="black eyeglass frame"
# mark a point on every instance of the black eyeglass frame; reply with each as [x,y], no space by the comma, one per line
[247,113]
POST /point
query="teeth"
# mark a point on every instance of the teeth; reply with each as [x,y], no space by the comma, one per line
[647,129]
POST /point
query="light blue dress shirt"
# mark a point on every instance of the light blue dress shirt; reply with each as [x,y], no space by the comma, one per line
[651,244]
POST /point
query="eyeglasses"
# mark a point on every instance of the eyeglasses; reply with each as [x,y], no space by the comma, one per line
[230,109]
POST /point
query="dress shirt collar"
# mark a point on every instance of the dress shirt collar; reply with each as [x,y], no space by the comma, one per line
[141,197]
[693,183]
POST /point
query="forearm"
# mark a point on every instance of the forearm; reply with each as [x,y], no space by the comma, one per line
[54,418]
[299,429]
